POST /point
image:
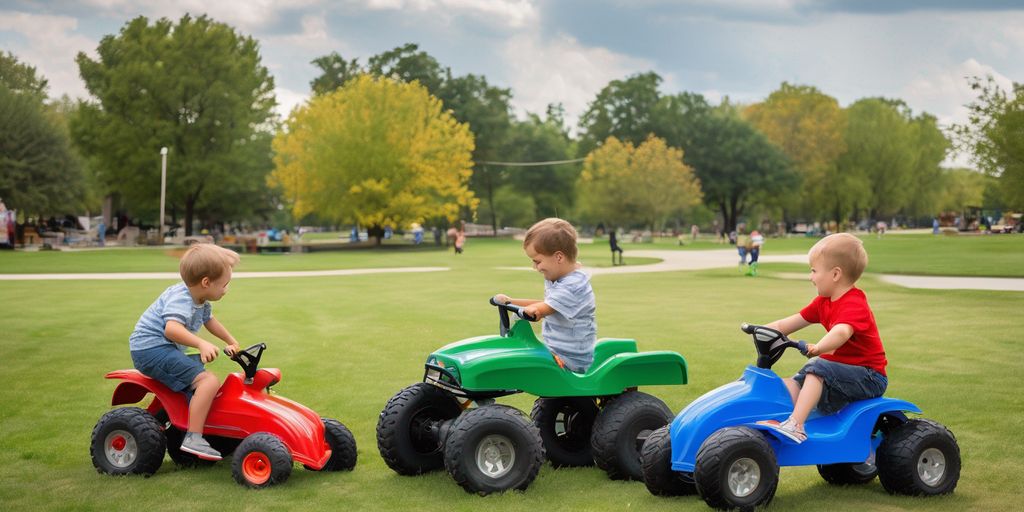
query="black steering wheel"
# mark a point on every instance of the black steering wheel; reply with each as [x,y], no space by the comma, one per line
[503,310]
[770,344]
[248,359]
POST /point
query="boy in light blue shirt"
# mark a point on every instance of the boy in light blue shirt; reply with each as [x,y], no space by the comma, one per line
[568,308]
[169,325]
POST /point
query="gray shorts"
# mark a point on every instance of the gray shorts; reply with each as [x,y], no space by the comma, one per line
[842,383]
[168,365]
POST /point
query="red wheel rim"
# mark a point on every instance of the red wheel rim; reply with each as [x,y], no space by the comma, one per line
[118,443]
[256,468]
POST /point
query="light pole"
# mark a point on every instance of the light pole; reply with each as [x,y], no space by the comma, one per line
[163,189]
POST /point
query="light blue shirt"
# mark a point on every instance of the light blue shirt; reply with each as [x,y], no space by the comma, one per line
[175,303]
[571,331]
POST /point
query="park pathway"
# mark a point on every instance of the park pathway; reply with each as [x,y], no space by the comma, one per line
[671,261]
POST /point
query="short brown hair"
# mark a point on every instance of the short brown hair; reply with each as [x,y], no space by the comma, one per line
[205,260]
[552,235]
[842,250]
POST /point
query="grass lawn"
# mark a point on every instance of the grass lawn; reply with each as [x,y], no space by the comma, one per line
[346,344]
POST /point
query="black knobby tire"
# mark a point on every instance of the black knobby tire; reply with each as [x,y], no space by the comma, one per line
[656,464]
[174,440]
[919,458]
[343,447]
[261,460]
[848,474]
[402,434]
[127,441]
[621,429]
[736,468]
[493,449]
[565,426]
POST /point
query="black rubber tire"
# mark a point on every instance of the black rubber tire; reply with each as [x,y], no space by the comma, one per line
[142,451]
[716,457]
[848,474]
[566,425]
[343,447]
[271,455]
[656,464]
[620,430]
[471,433]
[174,440]
[402,443]
[902,450]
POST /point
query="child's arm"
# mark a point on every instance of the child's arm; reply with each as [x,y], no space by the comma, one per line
[789,325]
[533,307]
[832,340]
[176,332]
[217,329]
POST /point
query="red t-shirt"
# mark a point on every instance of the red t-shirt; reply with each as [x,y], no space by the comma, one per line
[864,348]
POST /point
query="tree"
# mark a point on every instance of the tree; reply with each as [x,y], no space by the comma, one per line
[552,188]
[624,109]
[376,152]
[961,188]
[196,87]
[809,126]
[623,184]
[39,171]
[995,136]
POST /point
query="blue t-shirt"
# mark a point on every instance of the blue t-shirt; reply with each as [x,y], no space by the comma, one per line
[175,303]
[571,331]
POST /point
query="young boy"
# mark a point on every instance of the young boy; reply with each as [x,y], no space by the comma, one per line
[852,360]
[570,330]
[169,325]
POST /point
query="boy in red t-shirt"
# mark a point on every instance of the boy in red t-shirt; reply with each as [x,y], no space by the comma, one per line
[852,360]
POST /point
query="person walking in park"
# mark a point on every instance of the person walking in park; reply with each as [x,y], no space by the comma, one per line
[460,237]
[613,242]
[756,241]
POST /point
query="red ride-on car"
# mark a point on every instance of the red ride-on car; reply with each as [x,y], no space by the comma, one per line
[264,431]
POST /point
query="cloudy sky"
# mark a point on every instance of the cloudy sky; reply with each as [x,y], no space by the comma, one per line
[550,51]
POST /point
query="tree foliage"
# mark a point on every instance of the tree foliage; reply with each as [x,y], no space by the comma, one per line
[624,109]
[552,188]
[622,184]
[375,152]
[995,135]
[196,87]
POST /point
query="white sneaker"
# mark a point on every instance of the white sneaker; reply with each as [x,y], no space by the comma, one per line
[196,445]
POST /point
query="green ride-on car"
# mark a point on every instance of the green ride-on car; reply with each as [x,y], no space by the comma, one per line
[450,419]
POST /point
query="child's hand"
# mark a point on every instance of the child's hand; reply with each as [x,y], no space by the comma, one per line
[812,350]
[231,349]
[532,311]
[501,298]
[207,352]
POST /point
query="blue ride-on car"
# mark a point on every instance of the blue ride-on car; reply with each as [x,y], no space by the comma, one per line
[715,448]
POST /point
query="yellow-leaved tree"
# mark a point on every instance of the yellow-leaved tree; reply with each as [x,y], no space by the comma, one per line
[376,152]
[646,184]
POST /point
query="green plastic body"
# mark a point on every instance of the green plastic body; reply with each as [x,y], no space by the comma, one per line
[520,362]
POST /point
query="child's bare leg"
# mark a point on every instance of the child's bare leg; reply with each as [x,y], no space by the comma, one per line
[793,387]
[205,386]
[809,396]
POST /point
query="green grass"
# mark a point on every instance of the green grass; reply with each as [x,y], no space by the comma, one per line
[346,344]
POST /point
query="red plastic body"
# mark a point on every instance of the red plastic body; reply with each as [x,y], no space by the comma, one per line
[238,410]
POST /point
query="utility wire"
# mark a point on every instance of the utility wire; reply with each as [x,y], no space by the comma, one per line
[533,164]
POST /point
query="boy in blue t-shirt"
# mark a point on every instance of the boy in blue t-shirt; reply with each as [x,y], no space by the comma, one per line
[568,308]
[169,325]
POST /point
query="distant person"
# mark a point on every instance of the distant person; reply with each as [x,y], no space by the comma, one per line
[694,231]
[568,308]
[935,226]
[460,238]
[613,242]
[852,359]
[880,227]
[101,233]
[170,325]
[450,236]
[743,246]
[756,241]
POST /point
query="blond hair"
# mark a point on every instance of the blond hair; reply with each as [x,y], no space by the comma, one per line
[841,250]
[552,235]
[205,260]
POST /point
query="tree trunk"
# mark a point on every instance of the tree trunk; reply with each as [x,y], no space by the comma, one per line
[190,204]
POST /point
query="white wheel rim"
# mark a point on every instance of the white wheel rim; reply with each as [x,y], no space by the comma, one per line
[931,466]
[744,475]
[495,456]
[120,448]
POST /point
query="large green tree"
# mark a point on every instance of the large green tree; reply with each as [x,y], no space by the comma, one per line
[197,87]
[375,152]
[994,135]
[551,188]
[624,109]
[40,173]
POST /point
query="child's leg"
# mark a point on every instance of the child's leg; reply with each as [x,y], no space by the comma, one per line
[793,387]
[205,388]
[810,393]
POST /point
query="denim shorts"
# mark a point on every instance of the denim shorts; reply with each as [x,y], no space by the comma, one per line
[842,383]
[168,365]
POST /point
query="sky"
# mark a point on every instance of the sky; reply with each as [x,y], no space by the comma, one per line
[565,51]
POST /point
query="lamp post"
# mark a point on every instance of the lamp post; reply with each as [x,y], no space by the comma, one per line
[163,189]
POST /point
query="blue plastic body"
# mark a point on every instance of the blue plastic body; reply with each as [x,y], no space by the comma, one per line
[844,437]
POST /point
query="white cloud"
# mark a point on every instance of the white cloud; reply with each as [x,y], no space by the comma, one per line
[513,13]
[51,46]
[246,15]
[287,100]
[561,70]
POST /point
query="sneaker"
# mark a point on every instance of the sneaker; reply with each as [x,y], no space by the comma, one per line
[196,445]
[786,428]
